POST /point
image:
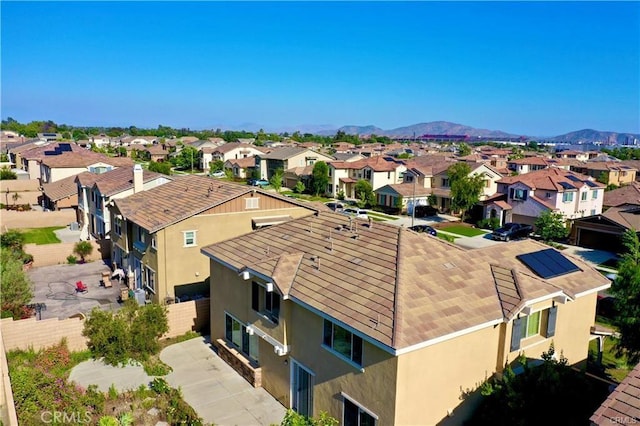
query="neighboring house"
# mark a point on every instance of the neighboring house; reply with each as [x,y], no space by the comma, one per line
[634,164]
[49,137]
[378,325]
[628,194]
[604,231]
[62,194]
[531,164]
[228,151]
[378,171]
[157,153]
[95,191]
[242,167]
[523,198]
[138,140]
[343,147]
[496,162]
[100,140]
[27,157]
[347,156]
[302,174]
[403,196]
[287,158]
[65,164]
[574,155]
[156,234]
[622,406]
[607,172]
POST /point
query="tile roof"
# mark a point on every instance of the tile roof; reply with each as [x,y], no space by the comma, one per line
[51,149]
[550,179]
[121,179]
[84,159]
[399,287]
[230,146]
[628,194]
[622,406]
[164,205]
[60,189]
[627,216]
[243,162]
[507,289]
[284,153]
[407,189]
[377,164]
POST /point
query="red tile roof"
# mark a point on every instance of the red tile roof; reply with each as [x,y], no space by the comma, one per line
[623,405]
[377,164]
[550,179]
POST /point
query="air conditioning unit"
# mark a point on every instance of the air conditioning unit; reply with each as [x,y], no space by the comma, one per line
[245,275]
[269,287]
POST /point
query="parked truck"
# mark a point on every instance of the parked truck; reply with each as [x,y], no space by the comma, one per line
[512,231]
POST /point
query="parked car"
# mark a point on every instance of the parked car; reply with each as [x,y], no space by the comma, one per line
[511,231]
[424,228]
[258,182]
[335,206]
[422,211]
[358,213]
[218,174]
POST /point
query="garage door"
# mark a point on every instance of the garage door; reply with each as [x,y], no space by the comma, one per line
[517,218]
[599,240]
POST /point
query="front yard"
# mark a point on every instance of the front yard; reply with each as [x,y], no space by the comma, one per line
[463,231]
[41,235]
[613,367]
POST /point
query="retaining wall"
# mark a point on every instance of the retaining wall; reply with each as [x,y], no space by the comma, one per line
[55,254]
[35,219]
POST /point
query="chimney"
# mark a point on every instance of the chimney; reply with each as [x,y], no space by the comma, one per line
[137,178]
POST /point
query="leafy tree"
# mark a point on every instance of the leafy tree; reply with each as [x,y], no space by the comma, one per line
[160,167]
[294,419]
[465,188]
[15,284]
[518,399]
[626,289]
[320,177]
[7,174]
[516,153]
[276,179]
[464,150]
[83,249]
[603,178]
[187,158]
[216,166]
[432,200]
[341,195]
[130,333]
[364,193]
[299,188]
[551,226]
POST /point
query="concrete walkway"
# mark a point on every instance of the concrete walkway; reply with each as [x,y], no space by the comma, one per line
[217,393]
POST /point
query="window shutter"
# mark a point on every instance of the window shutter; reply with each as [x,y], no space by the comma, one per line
[551,324]
[516,334]
[511,191]
[255,297]
[524,194]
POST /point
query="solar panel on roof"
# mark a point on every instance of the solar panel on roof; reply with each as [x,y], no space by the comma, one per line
[566,185]
[548,263]
[65,147]
[574,178]
[591,184]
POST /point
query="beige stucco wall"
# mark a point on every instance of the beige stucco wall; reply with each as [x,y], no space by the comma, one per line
[380,179]
[434,379]
[57,173]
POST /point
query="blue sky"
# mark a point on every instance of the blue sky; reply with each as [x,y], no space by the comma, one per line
[536,68]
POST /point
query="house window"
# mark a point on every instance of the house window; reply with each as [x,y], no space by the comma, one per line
[189,238]
[267,303]
[548,195]
[236,333]
[150,279]
[539,323]
[567,197]
[252,203]
[445,182]
[583,196]
[367,174]
[593,212]
[519,194]
[117,226]
[343,342]
[140,234]
[153,242]
[355,415]
[594,194]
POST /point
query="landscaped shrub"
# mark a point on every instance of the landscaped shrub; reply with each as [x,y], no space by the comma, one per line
[72,260]
[490,223]
[131,333]
[83,249]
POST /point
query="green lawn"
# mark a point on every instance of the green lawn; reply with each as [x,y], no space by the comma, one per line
[445,237]
[307,197]
[463,230]
[613,368]
[41,235]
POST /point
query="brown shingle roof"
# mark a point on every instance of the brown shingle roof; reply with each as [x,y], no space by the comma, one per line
[377,164]
[399,287]
[60,189]
[121,179]
[243,162]
[409,189]
[627,216]
[623,404]
[84,159]
[628,194]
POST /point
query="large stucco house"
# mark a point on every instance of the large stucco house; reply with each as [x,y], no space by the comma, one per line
[156,234]
[378,325]
[523,198]
[378,171]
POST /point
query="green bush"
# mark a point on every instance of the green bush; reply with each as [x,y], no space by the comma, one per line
[490,223]
[160,386]
[72,260]
[83,249]
[294,419]
[131,333]
[7,174]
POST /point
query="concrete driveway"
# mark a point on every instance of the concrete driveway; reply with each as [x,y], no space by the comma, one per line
[217,393]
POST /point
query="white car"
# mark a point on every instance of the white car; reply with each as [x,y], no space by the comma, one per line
[218,174]
[357,213]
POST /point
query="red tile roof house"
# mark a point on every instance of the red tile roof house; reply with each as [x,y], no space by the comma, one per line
[378,171]
[531,164]
[523,198]
[65,164]
[241,167]
[228,151]
[622,407]
[374,322]
[27,157]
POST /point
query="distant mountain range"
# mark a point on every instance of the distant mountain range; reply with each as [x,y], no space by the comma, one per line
[448,128]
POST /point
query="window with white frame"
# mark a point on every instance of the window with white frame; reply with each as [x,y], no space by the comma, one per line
[567,197]
[153,242]
[539,323]
[356,415]
[189,238]
[445,182]
[583,196]
[140,235]
[594,194]
[547,195]
[252,203]
[519,194]
[265,302]
[236,333]
[150,279]
[343,342]
[593,212]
